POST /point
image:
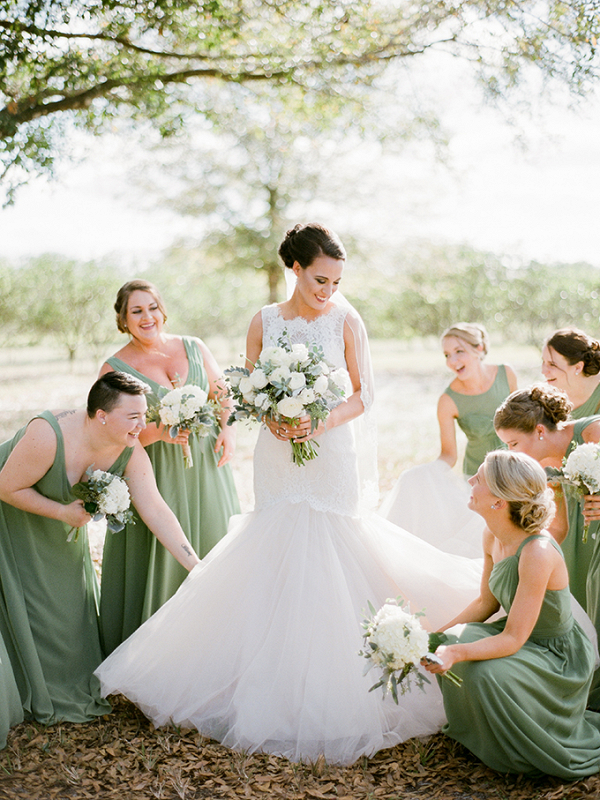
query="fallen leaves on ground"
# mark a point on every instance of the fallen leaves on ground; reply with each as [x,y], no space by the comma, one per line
[123,757]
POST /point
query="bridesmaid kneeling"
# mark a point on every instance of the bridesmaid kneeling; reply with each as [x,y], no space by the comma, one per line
[526,677]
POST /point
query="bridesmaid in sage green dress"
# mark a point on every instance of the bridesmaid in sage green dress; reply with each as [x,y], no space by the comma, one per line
[138,574]
[571,363]
[49,591]
[537,421]
[429,500]
[526,677]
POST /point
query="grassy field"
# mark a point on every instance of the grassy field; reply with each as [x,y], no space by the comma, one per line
[123,756]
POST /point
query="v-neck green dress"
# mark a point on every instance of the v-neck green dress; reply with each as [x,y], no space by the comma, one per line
[138,573]
[48,600]
[527,712]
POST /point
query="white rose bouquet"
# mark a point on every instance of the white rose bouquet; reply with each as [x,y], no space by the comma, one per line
[581,473]
[185,408]
[104,495]
[396,642]
[288,381]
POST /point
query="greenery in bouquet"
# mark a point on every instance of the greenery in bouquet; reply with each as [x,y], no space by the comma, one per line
[288,381]
[104,495]
[395,642]
[580,474]
[185,408]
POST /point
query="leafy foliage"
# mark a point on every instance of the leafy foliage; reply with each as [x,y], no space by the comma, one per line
[91,60]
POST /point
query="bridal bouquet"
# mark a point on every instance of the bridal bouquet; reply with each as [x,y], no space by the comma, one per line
[288,381]
[185,408]
[396,642]
[581,472]
[104,495]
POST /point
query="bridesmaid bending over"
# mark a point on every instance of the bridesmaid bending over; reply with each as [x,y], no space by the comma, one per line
[571,363]
[138,574]
[48,602]
[522,703]
[470,400]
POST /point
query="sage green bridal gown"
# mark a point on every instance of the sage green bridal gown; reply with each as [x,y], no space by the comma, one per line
[138,573]
[48,601]
[527,712]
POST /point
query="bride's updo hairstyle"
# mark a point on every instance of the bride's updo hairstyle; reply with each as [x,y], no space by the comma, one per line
[524,409]
[521,482]
[575,346]
[304,243]
[126,291]
[470,332]
[106,392]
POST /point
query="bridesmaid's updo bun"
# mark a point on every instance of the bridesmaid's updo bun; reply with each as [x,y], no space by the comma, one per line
[470,332]
[575,346]
[304,243]
[524,409]
[521,481]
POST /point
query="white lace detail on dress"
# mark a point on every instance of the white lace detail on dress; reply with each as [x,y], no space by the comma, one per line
[330,481]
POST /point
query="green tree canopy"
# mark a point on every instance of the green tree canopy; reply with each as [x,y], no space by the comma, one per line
[86,61]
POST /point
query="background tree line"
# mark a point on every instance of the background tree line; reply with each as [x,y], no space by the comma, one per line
[422,289]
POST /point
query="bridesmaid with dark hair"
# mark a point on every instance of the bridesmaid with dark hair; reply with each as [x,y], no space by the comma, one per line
[571,363]
[49,591]
[138,574]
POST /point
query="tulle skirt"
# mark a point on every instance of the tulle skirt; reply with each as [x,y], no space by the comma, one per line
[259,647]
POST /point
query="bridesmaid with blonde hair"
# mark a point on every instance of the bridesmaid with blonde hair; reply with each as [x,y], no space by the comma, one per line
[470,401]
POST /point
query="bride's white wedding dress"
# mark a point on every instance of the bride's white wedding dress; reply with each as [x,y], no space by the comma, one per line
[259,647]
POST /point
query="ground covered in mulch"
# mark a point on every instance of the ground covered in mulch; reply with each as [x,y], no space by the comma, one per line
[122,756]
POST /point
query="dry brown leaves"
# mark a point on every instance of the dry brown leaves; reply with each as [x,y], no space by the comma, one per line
[122,756]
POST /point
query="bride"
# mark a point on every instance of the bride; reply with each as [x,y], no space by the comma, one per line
[259,647]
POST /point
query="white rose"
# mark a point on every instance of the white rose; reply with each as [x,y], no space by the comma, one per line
[340,378]
[280,375]
[297,381]
[249,397]
[321,385]
[290,407]
[300,352]
[169,415]
[307,396]
[173,397]
[259,378]
[246,385]
[276,356]
[234,377]
[262,401]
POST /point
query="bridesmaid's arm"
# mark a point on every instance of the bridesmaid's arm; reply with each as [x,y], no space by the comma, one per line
[486,604]
[538,565]
[30,460]
[218,392]
[447,414]
[154,511]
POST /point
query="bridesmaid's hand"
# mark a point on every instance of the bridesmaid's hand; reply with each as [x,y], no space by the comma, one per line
[75,515]
[286,432]
[443,652]
[591,508]
[225,442]
[181,438]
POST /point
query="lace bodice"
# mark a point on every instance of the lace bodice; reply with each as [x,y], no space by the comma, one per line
[330,481]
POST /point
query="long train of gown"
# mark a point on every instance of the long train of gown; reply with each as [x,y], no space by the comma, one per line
[259,647]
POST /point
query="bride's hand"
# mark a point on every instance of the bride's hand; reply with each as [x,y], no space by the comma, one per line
[307,434]
[286,432]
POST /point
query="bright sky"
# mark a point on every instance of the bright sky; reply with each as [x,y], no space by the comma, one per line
[542,203]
